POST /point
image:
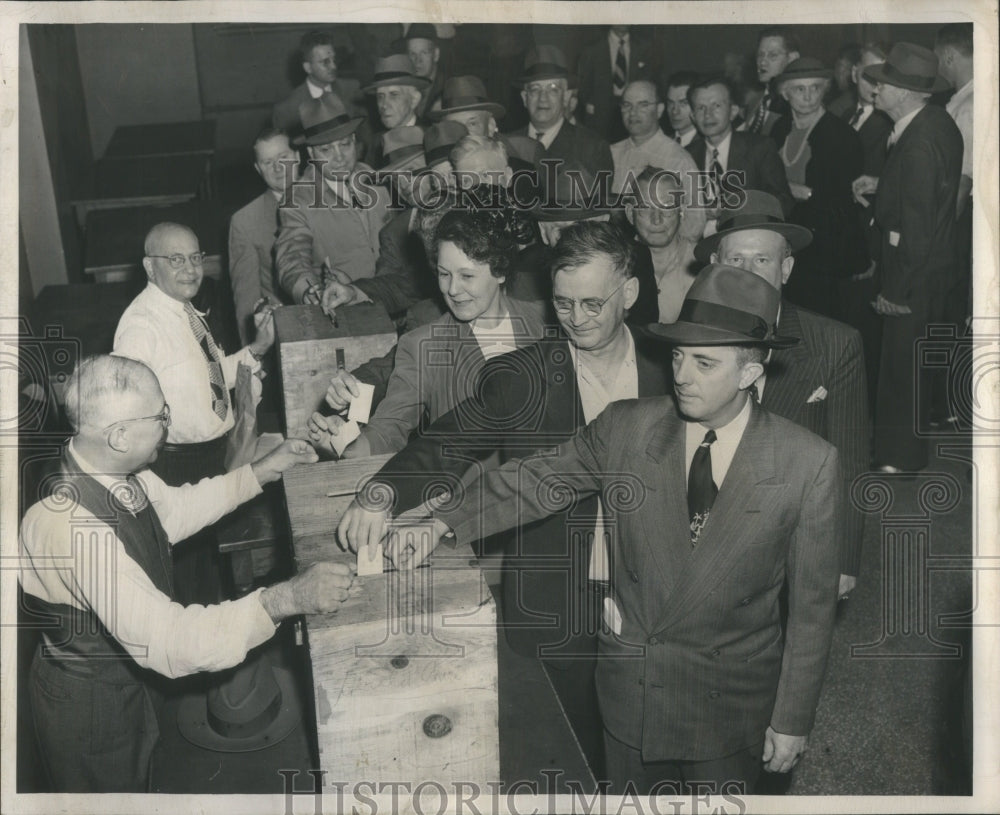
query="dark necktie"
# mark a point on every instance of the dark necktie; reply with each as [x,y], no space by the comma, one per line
[220,398]
[857,116]
[715,174]
[701,487]
[758,118]
[620,77]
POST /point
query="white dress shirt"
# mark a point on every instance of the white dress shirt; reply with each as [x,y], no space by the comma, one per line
[723,148]
[867,109]
[495,337]
[594,397]
[155,330]
[727,439]
[315,91]
[902,124]
[71,558]
[548,136]
[960,108]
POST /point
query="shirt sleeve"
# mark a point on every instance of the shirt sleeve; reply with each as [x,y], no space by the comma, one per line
[186,509]
[162,635]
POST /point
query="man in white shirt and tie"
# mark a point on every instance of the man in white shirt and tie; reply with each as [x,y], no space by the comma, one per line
[682,127]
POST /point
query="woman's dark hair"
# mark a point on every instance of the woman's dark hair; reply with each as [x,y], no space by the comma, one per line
[486,235]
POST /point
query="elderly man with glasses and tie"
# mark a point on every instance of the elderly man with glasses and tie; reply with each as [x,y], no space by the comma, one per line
[162,328]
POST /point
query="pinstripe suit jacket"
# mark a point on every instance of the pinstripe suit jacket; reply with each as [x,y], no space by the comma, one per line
[829,355]
[700,668]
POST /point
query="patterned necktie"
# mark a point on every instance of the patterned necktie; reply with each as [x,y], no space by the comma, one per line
[701,487]
[758,118]
[715,174]
[220,398]
[678,138]
[857,116]
[620,73]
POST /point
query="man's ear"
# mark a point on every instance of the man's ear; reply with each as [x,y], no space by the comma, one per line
[793,55]
[786,269]
[524,98]
[305,69]
[630,213]
[118,439]
[734,111]
[749,374]
[147,264]
[631,291]
[660,107]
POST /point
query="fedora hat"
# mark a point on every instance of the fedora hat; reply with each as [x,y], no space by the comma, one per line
[256,707]
[463,93]
[325,120]
[440,138]
[908,66]
[421,31]
[573,198]
[545,62]
[760,210]
[400,145]
[395,69]
[804,68]
[726,306]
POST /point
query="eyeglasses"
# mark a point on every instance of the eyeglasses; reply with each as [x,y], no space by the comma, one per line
[163,417]
[591,305]
[178,260]
[549,89]
[642,107]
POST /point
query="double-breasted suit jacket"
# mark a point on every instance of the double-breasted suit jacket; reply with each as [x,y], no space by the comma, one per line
[700,666]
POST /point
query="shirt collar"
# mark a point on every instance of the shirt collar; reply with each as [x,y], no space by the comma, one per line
[163,300]
[614,39]
[729,434]
[628,361]
[722,147]
[961,93]
[316,91]
[106,480]
[903,123]
[549,135]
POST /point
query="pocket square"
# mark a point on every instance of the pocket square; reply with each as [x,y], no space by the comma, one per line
[817,395]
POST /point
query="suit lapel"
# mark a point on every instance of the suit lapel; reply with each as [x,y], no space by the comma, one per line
[792,373]
[742,504]
[737,152]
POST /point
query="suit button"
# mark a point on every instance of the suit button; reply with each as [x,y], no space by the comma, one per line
[713,695]
[634,576]
[715,653]
[653,641]
[745,601]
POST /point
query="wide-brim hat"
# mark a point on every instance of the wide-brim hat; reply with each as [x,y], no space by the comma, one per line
[324,120]
[804,68]
[545,62]
[400,146]
[440,138]
[760,210]
[465,93]
[726,306]
[259,705]
[396,69]
[908,66]
[421,31]
[575,197]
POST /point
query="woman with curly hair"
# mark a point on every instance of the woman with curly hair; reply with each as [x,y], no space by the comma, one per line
[437,364]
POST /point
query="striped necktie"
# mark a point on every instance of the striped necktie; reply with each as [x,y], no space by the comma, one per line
[220,397]
[761,114]
[715,173]
[701,486]
[620,73]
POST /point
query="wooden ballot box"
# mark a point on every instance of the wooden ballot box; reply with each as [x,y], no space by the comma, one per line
[405,673]
[311,347]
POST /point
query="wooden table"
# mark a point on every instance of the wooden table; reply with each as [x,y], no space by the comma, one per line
[166,139]
[407,675]
[138,181]
[114,242]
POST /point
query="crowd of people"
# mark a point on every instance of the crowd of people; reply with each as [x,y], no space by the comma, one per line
[734,266]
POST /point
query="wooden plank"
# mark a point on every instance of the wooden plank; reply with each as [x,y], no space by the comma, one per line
[163,139]
[307,352]
[405,672]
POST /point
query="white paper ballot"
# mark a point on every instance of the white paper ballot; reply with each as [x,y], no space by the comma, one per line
[612,616]
[349,431]
[361,405]
[368,566]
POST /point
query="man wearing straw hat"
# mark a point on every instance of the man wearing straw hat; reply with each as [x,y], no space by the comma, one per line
[714,503]
[915,200]
[333,221]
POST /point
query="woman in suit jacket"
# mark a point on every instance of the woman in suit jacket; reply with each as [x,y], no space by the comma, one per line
[822,156]
[437,364]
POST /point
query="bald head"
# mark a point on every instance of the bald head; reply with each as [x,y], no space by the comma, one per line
[106,389]
[164,234]
[173,261]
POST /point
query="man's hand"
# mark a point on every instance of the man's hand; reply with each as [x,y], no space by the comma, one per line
[318,590]
[847,584]
[263,320]
[362,527]
[308,290]
[800,192]
[343,388]
[864,185]
[408,546]
[782,752]
[887,309]
[285,456]
[339,294]
[322,429]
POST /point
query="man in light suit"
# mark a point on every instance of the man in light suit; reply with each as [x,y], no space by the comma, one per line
[752,156]
[605,67]
[715,502]
[819,383]
[330,231]
[915,200]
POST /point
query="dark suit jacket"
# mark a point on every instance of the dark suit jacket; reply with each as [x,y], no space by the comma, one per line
[838,246]
[700,668]
[829,355]
[874,135]
[778,108]
[579,148]
[915,207]
[524,402]
[594,71]
[402,273]
[757,157]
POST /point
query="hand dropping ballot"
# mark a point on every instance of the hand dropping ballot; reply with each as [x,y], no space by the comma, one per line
[358,413]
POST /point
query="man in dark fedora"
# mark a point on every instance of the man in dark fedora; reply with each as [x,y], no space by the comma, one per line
[95,560]
[397,91]
[544,84]
[332,223]
[424,50]
[818,383]
[464,101]
[915,200]
[714,502]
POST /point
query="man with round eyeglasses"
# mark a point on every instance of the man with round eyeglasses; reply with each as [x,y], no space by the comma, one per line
[163,329]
